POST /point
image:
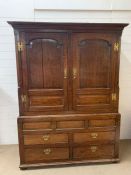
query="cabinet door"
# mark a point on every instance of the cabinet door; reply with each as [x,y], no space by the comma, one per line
[94,72]
[44,69]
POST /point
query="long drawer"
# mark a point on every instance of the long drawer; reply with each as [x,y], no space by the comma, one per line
[93,151]
[93,136]
[45,154]
[45,139]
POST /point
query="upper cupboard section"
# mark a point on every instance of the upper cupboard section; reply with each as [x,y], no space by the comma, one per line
[67,66]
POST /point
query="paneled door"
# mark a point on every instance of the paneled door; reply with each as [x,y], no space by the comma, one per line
[44,69]
[93,78]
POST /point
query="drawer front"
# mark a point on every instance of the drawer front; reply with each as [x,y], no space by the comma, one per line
[70,124]
[45,139]
[102,123]
[47,154]
[88,152]
[93,136]
[37,125]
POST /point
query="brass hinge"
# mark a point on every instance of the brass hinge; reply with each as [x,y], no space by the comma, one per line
[114,97]
[116,47]
[20,46]
[23,98]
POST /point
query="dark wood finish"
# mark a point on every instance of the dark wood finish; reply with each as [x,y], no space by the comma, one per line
[45,139]
[38,155]
[100,123]
[92,62]
[70,124]
[94,152]
[45,84]
[37,125]
[68,92]
[93,136]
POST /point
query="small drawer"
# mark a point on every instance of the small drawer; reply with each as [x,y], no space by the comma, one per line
[45,154]
[101,123]
[94,151]
[45,139]
[70,124]
[93,136]
[37,125]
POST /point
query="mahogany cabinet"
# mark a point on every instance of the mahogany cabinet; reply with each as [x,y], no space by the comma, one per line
[68,92]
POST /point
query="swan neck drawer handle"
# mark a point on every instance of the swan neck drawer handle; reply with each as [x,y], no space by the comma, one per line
[94,135]
[47,151]
[46,137]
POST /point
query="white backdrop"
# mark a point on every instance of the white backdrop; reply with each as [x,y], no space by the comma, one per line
[61,11]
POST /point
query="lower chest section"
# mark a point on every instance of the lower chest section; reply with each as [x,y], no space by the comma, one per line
[68,139]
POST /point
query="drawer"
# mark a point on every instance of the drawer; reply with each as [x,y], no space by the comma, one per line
[70,124]
[45,139]
[93,136]
[88,152]
[46,154]
[37,125]
[102,122]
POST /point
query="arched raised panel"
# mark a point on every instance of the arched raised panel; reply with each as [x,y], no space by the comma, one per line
[51,41]
[45,63]
[85,42]
[94,63]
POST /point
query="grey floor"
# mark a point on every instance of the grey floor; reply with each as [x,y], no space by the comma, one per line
[9,163]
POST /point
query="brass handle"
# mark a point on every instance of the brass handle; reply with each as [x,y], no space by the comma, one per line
[93,148]
[65,74]
[46,137]
[94,135]
[47,151]
[74,73]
